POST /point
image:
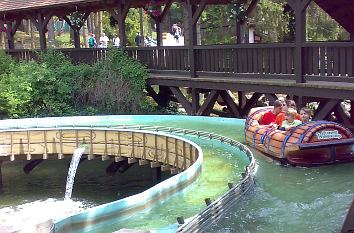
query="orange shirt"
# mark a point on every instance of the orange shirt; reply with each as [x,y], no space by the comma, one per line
[281,117]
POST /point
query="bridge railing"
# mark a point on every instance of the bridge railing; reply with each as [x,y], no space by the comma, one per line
[247,59]
[326,61]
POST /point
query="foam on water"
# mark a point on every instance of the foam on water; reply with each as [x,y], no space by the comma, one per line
[29,214]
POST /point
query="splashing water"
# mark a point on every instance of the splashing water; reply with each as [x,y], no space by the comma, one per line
[72,171]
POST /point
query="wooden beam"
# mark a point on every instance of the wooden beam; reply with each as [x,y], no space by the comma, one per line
[40,20]
[192,39]
[341,115]
[250,8]
[199,11]
[11,29]
[195,100]
[208,104]
[299,6]
[271,98]
[182,100]
[241,99]
[167,7]
[325,108]
[231,105]
[151,92]
[250,103]
[120,14]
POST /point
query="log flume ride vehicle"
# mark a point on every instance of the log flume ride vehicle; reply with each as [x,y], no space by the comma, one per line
[309,144]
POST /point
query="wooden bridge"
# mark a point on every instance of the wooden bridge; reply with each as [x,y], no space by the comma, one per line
[248,71]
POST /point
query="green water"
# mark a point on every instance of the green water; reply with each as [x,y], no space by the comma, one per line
[288,199]
[285,199]
[222,164]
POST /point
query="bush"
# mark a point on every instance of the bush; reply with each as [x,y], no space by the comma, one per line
[56,87]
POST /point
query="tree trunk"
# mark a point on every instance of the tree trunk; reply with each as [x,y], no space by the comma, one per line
[60,27]
[33,40]
[89,23]
[141,20]
[84,34]
[2,40]
[28,27]
[98,24]
[51,33]
[72,40]
[186,23]
[199,36]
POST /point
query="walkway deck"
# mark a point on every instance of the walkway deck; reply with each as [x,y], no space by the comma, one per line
[334,90]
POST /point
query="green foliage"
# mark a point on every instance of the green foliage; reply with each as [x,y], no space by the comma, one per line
[270,20]
[215,19]
[237,10]
[132,24]
[117,87]
[321,27]
[5,62]
[57,87]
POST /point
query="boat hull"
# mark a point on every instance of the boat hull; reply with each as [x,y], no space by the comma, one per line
[310,144]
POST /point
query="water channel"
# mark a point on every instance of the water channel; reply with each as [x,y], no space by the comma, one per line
[285,199]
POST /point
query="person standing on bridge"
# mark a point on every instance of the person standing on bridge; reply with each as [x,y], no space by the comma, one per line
[92,41]
[116,41]
[104,41]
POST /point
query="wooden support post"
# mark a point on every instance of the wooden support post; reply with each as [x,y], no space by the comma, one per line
[351,111]
[299,6]
[325,108]
[158,33]
[77,27]
[120,14]
[11,28]
[208,104]
[195,101]
[40,21]
[158,21]
[299,100]
[251,102]
[241,95]
[231,105]
[351,68]
[194,13]
[182,100]
[0,174]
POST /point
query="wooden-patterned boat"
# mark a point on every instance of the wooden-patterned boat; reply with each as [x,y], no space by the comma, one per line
[309,144]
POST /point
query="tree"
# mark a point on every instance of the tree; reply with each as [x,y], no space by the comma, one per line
[321,27]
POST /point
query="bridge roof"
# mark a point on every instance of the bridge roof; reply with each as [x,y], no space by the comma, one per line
[341,11]
[11,8]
